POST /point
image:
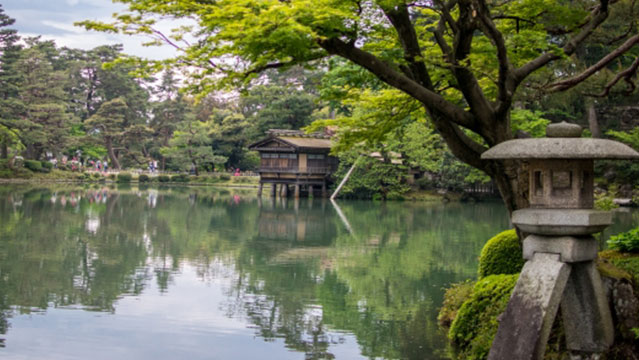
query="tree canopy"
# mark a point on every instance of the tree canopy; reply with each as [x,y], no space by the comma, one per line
[463,61]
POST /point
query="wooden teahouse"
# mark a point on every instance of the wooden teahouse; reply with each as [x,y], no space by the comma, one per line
[293,158]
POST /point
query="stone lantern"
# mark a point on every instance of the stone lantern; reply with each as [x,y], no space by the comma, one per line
[560,251]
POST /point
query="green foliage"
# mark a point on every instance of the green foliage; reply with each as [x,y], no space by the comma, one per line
[33,165]
[605,201]
[183,178]
[47,166]
[454,298]
[164,178]
[625,242]
[531,122]
[124,177]
[475,326]
[372,178]
[502,254]
[225,177]
[143,178]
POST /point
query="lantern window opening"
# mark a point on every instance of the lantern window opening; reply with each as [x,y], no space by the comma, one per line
[539,183]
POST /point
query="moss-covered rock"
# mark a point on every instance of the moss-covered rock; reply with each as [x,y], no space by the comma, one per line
[474,328]
[501,255]
[454,298]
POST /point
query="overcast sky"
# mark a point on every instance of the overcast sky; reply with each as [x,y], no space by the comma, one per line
[53,20]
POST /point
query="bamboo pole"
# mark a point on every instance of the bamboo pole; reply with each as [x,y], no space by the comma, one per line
[345,179]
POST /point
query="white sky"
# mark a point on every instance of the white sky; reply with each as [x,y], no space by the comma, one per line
[53,20]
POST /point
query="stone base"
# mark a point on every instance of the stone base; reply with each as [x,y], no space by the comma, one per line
[544,283]
[570,249]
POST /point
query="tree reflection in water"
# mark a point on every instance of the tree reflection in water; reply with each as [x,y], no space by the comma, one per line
[299,274]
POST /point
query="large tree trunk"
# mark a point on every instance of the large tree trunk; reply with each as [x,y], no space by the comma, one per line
[115,164]
[5,151]
[593,122]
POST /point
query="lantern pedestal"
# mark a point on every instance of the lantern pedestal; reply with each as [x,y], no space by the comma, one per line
[560,270]
[544,284]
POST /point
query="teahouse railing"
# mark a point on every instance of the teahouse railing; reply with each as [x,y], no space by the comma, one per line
[297,170]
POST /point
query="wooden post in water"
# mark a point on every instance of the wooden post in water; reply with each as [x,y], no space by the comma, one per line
[310,191]
[273,189]
[324,191]
[259,189]
[297,191]
[284,190]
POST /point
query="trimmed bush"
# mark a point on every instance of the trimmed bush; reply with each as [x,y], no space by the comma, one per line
[124,177]
[474,328]
[180,178]
[47,166]
[164,178]
[143,178]
[112,176]
[625,242]
[225,177]
[501,255]
[33,165]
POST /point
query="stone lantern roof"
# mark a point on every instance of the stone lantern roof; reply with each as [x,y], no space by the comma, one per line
[563,142]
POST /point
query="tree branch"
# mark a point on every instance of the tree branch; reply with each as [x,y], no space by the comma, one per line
[396,79]
[466,80]
[400,19]
[569,83]
[627,75]
[505,85]
[597,16]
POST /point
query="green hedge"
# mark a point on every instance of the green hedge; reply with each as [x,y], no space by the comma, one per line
[143,178]
[33,165]
[474,328]
[180,178]
[501,255]
[164,178]
[47,165]
[124,177]
[225,177]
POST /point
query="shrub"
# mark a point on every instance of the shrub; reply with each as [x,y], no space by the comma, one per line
[625,242]
[112,176]
[225,177]
[33,165]
[4,164]
[180,178]
[96,175]
[474,328]
[163,178]
[143,178]
[454,298]
[501,255]
[124,177]
[426,183]
[47,166]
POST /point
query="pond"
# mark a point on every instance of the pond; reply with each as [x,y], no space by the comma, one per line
[199,273]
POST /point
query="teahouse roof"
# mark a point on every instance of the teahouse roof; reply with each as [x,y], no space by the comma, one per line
[294,138]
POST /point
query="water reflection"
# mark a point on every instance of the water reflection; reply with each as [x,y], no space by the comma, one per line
[287,271]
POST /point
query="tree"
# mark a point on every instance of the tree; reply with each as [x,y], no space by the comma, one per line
[10,106]
[44,123]
[461,60]
[108,124]
[190,146]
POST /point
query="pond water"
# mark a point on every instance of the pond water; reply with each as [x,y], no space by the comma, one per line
[199,273]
